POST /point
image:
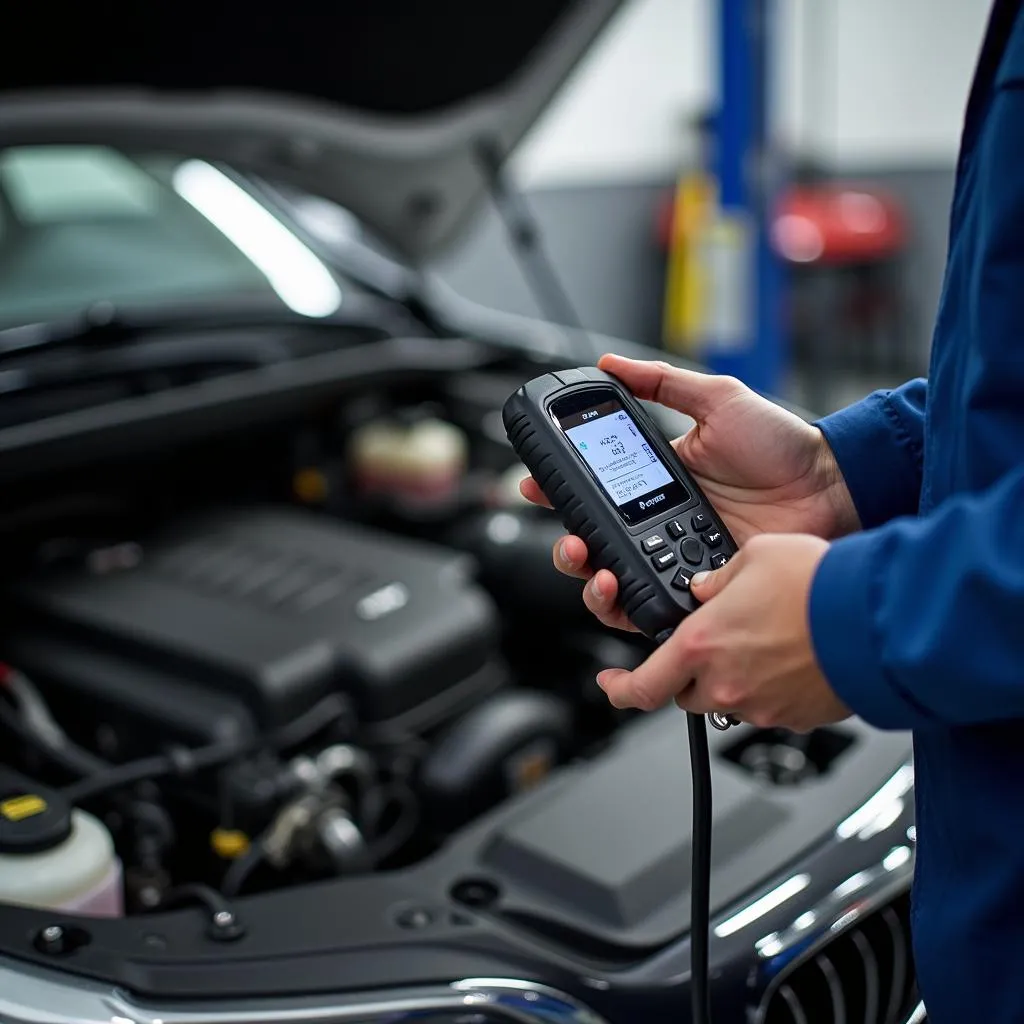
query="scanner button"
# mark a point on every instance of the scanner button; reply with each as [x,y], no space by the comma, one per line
[681,580]
[653,543]
[692,551]
[713,538]
[664,560]
[717,561]
[675,529]
[700,521]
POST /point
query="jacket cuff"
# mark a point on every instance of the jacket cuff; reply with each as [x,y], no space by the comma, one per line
[877,456]
[846,643]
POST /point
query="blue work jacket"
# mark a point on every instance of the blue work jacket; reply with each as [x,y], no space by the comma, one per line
[918,622]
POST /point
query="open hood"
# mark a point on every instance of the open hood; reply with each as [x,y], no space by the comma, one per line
[379,105]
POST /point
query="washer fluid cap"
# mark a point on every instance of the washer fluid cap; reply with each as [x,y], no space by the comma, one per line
[32,818]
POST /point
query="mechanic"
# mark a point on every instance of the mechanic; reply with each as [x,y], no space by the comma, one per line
[881,569]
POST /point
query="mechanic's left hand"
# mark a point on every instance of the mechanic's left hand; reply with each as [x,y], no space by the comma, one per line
[748,650]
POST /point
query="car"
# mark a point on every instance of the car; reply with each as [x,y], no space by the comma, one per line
[298,720]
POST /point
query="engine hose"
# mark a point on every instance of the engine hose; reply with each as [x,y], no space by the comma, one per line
[241,869]
[183,761]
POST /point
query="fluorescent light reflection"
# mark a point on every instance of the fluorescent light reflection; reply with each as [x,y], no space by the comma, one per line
[805,921]
[881,810]
[767,903]
[896,858]
[769,946]
[302,281]
[853,884]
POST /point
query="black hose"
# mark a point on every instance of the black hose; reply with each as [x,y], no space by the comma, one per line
[302,729]
[700,869]
[181,762]
[385,843]
[67,757]
[222,923]
[213,902]
[185,761]
[241,868]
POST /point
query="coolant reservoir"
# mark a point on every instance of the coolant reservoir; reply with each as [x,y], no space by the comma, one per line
[420,464]
[53,856]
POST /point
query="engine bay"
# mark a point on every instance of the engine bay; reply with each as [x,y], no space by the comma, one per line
[296,701]
[298,655]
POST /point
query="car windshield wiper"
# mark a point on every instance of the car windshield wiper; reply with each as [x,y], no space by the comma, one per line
[103,325]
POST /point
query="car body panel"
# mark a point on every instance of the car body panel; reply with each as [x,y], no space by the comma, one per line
[383,108]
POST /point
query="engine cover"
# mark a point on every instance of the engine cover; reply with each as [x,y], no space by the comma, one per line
[276,609]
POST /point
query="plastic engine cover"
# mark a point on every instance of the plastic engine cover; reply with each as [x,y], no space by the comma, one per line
[279,608]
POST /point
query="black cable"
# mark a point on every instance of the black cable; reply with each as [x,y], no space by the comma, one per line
[184,761]
[222,923]
[68,758]
[387,842]
[180,762]
[302,729]
[211,900]
[700,870]
[99,776]
[700,858]
[241,868]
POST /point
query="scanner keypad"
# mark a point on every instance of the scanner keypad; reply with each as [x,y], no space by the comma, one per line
[653,542]
[664,560]
[687,544]
[691,550]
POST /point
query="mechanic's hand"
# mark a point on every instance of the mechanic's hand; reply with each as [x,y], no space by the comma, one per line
[747,650]
[764,469]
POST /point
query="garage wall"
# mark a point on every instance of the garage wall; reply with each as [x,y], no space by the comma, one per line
[856,83]
[903,71]
[600,236]
[874,89]
[623,114]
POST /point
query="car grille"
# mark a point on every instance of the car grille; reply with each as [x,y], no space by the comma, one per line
[864,975]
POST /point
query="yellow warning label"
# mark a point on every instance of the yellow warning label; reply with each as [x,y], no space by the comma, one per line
[17,808]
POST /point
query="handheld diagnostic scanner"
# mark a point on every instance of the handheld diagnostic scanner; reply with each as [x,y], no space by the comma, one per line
[616,482]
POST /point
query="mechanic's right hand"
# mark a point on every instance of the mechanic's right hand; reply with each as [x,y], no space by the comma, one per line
[763,468]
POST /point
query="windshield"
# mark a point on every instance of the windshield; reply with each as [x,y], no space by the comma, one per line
[80,225]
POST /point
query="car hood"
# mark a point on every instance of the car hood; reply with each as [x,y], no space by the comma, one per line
[382,106]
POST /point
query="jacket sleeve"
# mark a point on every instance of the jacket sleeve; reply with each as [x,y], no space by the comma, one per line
[921,621]
[879,445]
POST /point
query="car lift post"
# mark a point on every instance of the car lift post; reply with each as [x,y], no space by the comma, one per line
[744,334]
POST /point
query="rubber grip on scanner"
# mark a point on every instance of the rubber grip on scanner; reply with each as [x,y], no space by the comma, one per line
[635,593]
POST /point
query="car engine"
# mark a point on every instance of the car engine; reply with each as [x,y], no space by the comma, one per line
[292,701]
[252,694]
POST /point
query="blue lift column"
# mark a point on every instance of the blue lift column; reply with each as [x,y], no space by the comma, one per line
[744,335]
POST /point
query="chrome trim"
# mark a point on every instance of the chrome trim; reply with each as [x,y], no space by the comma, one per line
[835,987]
[848,903]
[872,977]
[919,1016]
[31,996]
[900,963]
[793,1004]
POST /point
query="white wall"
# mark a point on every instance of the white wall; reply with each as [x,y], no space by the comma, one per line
[905,72]
[623,113]
[857,82]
